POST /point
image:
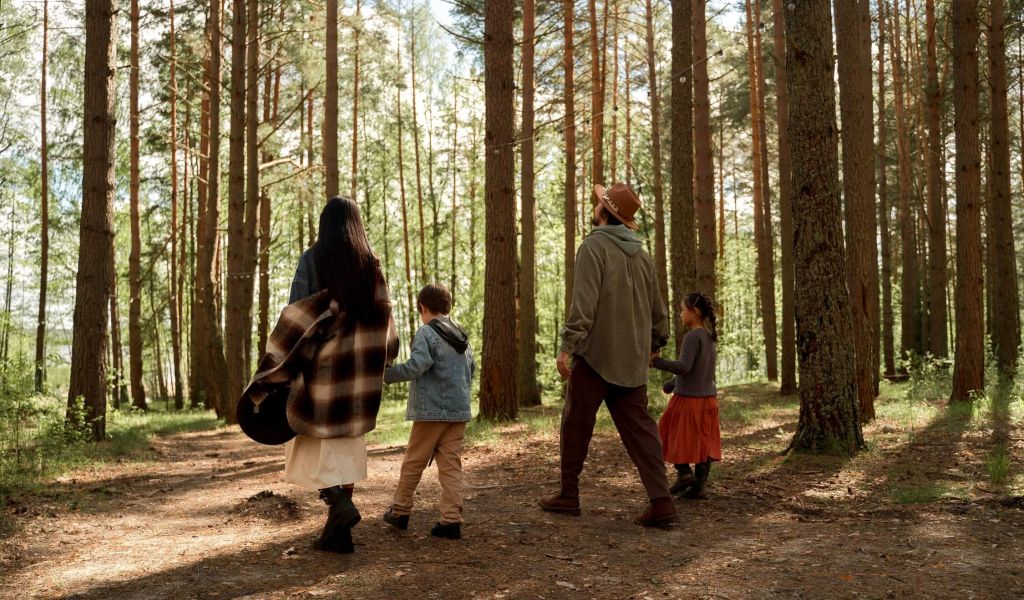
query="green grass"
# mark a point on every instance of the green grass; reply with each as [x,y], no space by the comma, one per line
[998,465]
[923,494]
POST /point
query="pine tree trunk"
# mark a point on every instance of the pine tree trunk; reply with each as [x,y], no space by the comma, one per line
[828,394]
[704,192]
[330,130]
[405,211]
[93,281]
[208,362]
[660,258]
[569,131]
[134,257]
[888,322]
[788,375]
[596,99]
[356,29]
[498,386]
[529,392]
[1002,272]
[910,285]
[769,316]
[684,259]
[455,189]
[614,146]
[118,387]
[969,360]
[853,38]
[44,213]
[416,150]
[198,394]
[938,345]
[175,298]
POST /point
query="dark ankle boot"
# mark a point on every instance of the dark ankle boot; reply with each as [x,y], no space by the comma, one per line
[397,521]
[684,479]
[342,516]
[696,492]
[449,531]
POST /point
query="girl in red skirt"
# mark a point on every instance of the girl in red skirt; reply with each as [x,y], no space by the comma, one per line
[689,426]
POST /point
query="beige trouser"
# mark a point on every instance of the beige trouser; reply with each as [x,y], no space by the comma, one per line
[443,441]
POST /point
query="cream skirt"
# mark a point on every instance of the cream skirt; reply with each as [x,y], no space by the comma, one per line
[316,464]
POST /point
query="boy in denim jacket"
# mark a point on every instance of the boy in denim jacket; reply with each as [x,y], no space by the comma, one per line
[440,367]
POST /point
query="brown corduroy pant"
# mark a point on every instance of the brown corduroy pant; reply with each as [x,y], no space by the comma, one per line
[628,407]
[443,441]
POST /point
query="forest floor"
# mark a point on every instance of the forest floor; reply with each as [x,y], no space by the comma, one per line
[915,514]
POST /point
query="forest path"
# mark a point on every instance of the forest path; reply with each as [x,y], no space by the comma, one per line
[180,527]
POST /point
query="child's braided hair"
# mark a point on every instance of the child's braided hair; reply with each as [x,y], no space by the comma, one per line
[702,303]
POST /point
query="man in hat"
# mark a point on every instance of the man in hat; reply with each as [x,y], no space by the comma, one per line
[616,321]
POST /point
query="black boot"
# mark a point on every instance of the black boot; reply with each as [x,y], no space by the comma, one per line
[684,479]
[451,531]
[696,492]
[342,516]
[400,522]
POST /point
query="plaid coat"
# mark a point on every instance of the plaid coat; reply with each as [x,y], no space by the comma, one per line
[333,365]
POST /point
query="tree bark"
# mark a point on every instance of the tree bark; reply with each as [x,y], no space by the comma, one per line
[787,385]
[683,244]
[175,297]
[93,280]
[660,258]
[911,341]
[888,322]
[569,131]
[938,345]
[117,383]
[1002,272]
[763,244]
[357,27]
[44,212]
[969,360]
[828,401]
[768,318]
[704,193]
[529,392]
[853,38]
[134,257]
[596,99]
[416,151]
[614,145]
[330,130]
[198,395]
[405,211]
[498,384]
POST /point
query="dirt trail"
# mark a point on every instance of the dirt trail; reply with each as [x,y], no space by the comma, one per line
[180,527]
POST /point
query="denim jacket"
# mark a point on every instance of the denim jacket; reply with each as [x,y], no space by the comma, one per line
[441,379]
[305,283]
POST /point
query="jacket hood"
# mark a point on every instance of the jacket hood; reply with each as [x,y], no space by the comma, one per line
[622,236]
[451,332]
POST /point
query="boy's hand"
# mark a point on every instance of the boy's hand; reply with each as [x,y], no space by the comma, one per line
[562,362]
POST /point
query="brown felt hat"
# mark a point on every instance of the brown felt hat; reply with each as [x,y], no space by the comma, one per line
[620,201]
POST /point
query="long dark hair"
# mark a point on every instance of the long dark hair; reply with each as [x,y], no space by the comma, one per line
[345,263]
[703,304]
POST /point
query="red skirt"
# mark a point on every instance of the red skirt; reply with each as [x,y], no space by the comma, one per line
[689,430]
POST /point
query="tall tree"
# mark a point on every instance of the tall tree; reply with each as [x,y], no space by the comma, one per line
[853,39]
[569,131]
[684,260]
[416,148]
[768,312]
[937,343]
[96,233]
[762,241]
[788,375]
[330,131]
[660,257]
[498,379]
[888,322]
[910,281]
[828,394]
[134,257]
[175,295]
[969,359]
[44,211]
[357,26]
[405,211]
[1002,272]
[596,97]
[704,191]
[529,392]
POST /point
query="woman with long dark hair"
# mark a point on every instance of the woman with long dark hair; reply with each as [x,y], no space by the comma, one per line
[341,273]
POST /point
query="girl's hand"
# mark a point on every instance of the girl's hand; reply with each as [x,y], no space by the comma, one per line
[650,363]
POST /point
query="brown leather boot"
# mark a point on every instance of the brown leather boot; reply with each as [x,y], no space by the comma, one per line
[659,513]
[560,504]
